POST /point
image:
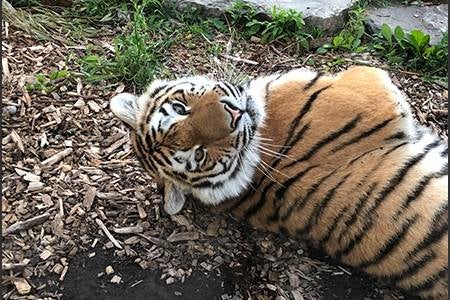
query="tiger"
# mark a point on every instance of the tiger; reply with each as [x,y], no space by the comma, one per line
[335,160]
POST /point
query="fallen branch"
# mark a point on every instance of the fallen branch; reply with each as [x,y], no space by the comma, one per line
[108,234]
[23,225]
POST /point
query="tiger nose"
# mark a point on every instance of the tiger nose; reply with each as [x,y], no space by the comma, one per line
[235,114]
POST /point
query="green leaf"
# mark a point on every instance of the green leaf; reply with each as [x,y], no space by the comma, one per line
[387,33]
[321,50]
[399,34]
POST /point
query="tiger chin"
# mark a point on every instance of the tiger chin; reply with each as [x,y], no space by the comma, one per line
[337,161]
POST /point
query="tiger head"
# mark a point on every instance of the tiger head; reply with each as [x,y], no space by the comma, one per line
[195,136]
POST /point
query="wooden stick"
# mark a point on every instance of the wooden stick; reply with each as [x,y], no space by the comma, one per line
[237,59]
[57,157]
[23,225]
[108,234]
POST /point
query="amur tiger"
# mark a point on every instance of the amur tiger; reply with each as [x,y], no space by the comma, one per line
[337,161]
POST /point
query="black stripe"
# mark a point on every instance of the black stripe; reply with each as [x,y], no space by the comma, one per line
[260,203]
[279,194]
[362,155]
[419,189]
[301,201]
[438,230]
[287,145]
[395,148]
[333,136]
[362,136]
[153,134]
[231,88]
[396,136]
[320,207]
[444,152]
[219,87]
[412,269]
[391,245]
[208,184]
[326,237]
[313,81]
[400,175]
[386,191]
[157,90]
[140,154]
[163,111]
[429,283]
[362,200]
[225,168]
[155,101]
[356,239]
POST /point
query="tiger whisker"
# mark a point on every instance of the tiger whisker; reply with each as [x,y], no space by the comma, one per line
[264,169]
[262,148]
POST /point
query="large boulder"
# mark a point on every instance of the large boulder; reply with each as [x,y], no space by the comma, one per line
[432,19]
[329,15]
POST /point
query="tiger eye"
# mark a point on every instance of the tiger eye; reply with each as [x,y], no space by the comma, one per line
[179,108]
[199,154]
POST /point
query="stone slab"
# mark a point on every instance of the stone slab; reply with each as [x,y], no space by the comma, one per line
[432,20]
[329,15]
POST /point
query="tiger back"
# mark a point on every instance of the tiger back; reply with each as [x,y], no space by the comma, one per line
[337,161]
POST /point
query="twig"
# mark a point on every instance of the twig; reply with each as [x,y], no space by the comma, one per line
[237,59]
[128,230]
[23,225]
[57,157]
[15,267]
[108,234]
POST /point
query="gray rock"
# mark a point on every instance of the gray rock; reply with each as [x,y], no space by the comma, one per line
[432,20]
[329,15]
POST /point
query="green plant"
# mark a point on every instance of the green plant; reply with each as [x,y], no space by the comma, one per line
[283,25]
[244,16]
[412,49]
[44,82]
[350,38]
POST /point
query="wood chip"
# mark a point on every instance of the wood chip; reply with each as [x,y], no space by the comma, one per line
[45,254]
[31,177]
[128,230]
[17,140]
[57,157]
[109,270]
[89,198]
[116,279]
[63,274]
[35,186]
[94,106]
[141,211]
[57,268]
[22,286]
[14,267]
[108,234]
[23,225]
[183,236]
[5,67]
[297,295]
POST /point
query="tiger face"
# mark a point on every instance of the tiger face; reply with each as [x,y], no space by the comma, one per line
[198,135]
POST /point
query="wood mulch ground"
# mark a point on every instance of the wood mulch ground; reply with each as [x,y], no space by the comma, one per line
[79,217]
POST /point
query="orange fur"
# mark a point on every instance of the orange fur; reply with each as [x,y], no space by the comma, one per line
[354,175]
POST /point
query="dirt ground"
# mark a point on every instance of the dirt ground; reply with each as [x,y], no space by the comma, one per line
[70,176]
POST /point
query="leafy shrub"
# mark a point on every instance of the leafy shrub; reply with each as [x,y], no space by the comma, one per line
[412,49]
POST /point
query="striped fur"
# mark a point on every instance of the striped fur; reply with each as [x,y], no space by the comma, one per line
[334,160]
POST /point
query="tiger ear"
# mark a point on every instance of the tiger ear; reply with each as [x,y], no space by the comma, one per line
[174,198]
[124,106]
